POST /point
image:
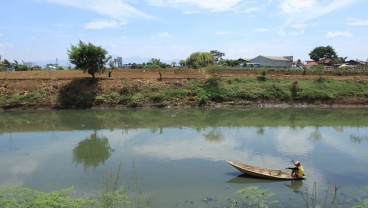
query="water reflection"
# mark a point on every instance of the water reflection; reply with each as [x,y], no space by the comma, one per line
[295,185]
[92,151]
[245,179]
[214,135]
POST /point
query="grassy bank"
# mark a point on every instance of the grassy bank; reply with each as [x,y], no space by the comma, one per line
[216,90]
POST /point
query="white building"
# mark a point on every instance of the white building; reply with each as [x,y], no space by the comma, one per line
[273,61]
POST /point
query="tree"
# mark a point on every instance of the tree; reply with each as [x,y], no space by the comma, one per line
[217,55]
[322,52]
[112,64]
[88,57]
[199,59]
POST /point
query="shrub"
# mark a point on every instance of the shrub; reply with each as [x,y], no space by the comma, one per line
[25,197]
[294,89]
[201,98]
[136,100]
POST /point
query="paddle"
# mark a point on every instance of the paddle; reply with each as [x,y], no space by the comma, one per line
[292,168]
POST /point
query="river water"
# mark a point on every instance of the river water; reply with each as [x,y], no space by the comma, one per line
[178,156]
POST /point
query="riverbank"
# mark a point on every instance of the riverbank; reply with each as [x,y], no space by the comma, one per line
[179,88]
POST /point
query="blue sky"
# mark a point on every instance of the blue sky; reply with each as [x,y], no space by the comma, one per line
[42,30]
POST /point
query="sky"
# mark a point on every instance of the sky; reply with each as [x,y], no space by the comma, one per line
[170,30]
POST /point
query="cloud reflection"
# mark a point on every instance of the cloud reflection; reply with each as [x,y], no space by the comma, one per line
[294,141]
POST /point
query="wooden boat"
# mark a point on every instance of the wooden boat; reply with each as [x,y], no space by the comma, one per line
[260,172]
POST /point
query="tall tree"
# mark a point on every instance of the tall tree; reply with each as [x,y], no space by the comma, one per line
[322,52]
[217,55]
[88,57]
[199,59]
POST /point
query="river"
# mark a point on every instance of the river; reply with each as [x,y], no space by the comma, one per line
[178,156]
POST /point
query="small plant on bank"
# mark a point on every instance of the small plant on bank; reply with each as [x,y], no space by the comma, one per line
[304,70]
[262,74]
[294,89]
[113,195]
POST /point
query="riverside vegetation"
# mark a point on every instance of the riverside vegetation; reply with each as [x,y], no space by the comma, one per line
[217,88]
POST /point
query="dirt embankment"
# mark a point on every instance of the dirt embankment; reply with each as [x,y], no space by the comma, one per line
[53,82]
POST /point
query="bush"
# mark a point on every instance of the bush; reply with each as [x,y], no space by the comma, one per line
[294,89]
[201,98]
[24,197]
[136,100]
[110,98]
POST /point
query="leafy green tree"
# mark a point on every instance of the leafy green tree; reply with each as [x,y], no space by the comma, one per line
[88,57]
[217,55]
[200,59]
[322,52]
[182,63]
[231,62]
[7,65]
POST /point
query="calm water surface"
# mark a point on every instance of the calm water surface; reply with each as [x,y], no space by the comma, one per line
[179,155]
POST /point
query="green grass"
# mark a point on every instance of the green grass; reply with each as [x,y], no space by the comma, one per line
[239,90]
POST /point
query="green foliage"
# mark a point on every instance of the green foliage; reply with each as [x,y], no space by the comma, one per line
[24,197]
[322,52]
[201,98]
[109,98]
[217,55]
[21,99]
[157,97]
[88,57]
[156,63]
[137,100]
[199,59]
[214,90]
[294,89]
[178,93]
[277,92]
[262,72]
[253,196]
[113,195]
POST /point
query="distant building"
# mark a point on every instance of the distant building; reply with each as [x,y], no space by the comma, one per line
[357,62]
[273,61]
[311,63]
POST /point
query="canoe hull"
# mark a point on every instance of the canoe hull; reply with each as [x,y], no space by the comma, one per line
[260,172]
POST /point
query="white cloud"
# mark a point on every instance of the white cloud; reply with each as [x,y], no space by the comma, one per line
[252,9]
[338,34]
[216,6]
[102,24]
[117,9]
[293,6]
[300,12]
[357,22]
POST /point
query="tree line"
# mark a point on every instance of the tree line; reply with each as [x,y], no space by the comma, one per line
[94,59]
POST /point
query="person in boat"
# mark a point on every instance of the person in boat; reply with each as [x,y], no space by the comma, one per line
[297,171]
